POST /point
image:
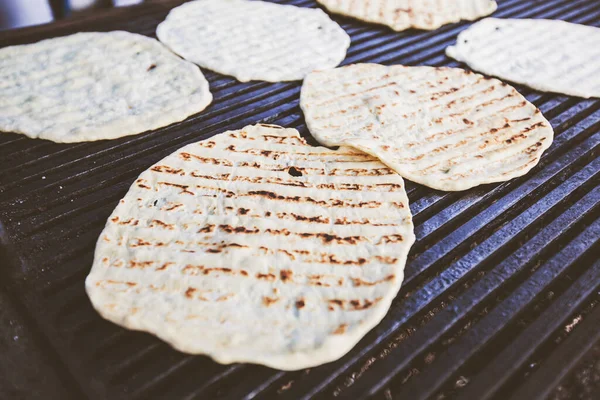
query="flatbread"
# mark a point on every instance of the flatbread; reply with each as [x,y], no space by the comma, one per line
[253,246]
[94,86]
[254,40]
[445,128]
[405,14]
[547,55]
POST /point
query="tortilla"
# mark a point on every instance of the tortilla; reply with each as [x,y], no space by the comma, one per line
[546,55]
[254,40]
[253,246]
[445,128]
[94,86]
[405,14]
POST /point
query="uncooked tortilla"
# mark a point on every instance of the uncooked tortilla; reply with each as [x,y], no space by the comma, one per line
[254,40]
[253,246]
[445,128]
[546,55]
[94,86]
[405,14]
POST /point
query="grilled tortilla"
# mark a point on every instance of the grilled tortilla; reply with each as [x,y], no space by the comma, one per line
[94,86]
[254,40]
[253,246]
[405,14]
[547,55]
[445,128]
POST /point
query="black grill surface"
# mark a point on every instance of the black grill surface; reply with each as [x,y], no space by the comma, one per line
[502,286]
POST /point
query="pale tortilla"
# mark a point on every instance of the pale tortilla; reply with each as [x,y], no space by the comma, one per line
[445,128]
[254,40]
[405,14]
[94,86]
[253,246]
[546,55]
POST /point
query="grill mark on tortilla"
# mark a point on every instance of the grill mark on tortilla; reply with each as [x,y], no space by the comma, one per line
[320,280]
[284,182]
[193,270]
[319,171]
[165,266]
[189,293]
[360,172]
[126,222]
[207,144]
[245,212]
[490,149]
[341,329]
[484,133]
[284,140]
[305,199]
[325,237]
[113,282]
[182,187]
[519,135]
[352,305]
[205,160]
[140,184]
[322,258]
[238,229]
[361,282]
[157,222]
[140,264]
[207,229]
[307,156]
[345,221]
[286,275]
[268,301]
[391,239]
[172,207]
[268,277]
[421,97]
[140,243]
[228,193]
[168,170]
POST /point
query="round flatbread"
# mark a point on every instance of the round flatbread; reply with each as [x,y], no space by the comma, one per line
[405,14]
[547,55]
[254,40]
[445,128]
[253,246]
[94,86]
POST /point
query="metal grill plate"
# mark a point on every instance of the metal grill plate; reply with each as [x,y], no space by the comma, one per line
[500,279]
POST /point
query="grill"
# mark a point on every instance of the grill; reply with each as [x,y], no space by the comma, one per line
[501,290]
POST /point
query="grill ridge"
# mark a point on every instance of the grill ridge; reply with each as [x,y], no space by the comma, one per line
[574,348]
[551,320]
[484,288]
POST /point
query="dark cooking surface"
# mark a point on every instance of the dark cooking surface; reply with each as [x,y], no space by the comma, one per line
[501,290]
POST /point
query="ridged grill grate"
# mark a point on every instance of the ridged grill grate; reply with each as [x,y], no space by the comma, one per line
[493,285]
